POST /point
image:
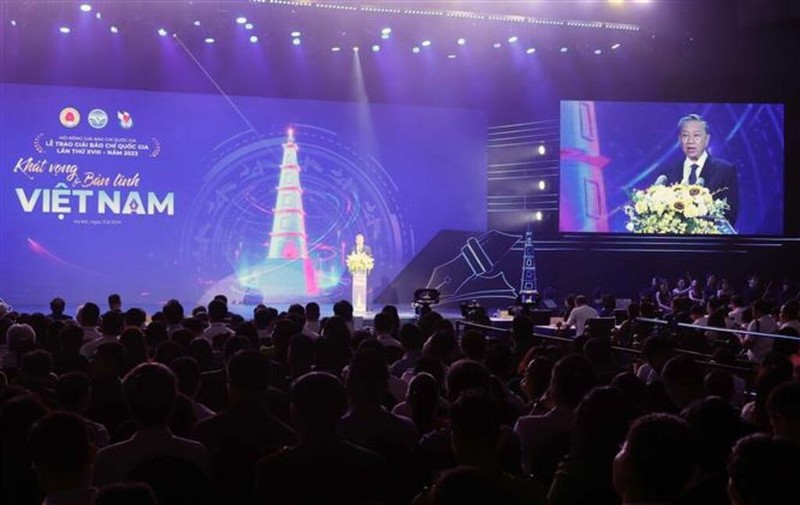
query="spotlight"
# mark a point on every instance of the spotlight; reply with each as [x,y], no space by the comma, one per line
[538,215]
[497,45]
[462,41]
[197,23]
[253,38]
[451,56]
[210,40]
[564,49]
[114,29]
[386,31]
[616,46]
[86,8]
[541,150]
[241,20]
[248,26]
[98,15]
[598,51]
[426,43]
[162,32]
[336,49]
[530,50]
[415,49]
[376,48]
[355,49]
[513,39]
[13,22]
[542,185]
[64,29]
[296,41]
[384,36]
[295,34]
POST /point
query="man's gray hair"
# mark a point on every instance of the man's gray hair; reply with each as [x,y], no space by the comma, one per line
[692,117]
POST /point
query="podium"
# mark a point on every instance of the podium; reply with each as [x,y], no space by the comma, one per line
[359,300]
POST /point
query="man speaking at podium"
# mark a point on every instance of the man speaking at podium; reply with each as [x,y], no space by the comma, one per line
[360,247]
[699,167]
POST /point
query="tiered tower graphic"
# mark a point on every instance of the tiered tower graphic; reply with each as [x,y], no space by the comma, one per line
[291,270]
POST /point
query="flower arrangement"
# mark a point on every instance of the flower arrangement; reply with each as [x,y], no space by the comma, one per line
[360,262]
[679,208]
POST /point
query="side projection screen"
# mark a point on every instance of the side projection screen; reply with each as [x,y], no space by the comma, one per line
[672,168]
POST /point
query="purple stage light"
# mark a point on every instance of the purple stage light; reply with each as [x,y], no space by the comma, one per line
[210,40]
[426,43]
[114,29]
[384,36]
[253,38]
[415,50]
[598,51]
[461,41]
[616,46]
[513,39]
[197,23]
[530,50]
[451,56]
[64,29]
[386,31]
[336,49]
[13,22]
[86,8]
[162,32]
[241,20]
[355,49]
[296,41]
[564,49]
[295,34]
[248,26]
[497,45]
[376,48]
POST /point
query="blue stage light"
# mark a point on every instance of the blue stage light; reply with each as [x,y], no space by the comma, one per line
[253,38]
[530,50]
[248,26]
[296,41]
[376,48]
[210,40]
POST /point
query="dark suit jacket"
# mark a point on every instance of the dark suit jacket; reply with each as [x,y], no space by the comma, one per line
[720,176]
[366,249]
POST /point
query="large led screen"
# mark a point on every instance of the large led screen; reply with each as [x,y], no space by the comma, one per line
[163,195]
[672,168]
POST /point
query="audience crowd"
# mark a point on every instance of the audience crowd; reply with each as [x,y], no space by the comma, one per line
[693,397]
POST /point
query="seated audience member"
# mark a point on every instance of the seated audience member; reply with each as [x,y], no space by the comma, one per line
[580,314]
[584,474]
[411,340]
[173,316]
[217,313]
[135,317]
[74,392]
[187,373]
[20,338]
[18,413]
[683,381]
[135,350]
[598,351]
[342,472]
[149,391]
[89,317]
[545,438]
[768,378]
[111,327]
[535,382]
[369,424]
[57,306]
[63,459]
[783,407]
[656,351]
[423,404]
[68,358]
[36,375]
[763,470]
[464,485]
[246,430]
[475,432]
[300,355]
[758,347]
[128,493]
[384,326]
[656,460]
[716,426]
[311,327]
[114,302]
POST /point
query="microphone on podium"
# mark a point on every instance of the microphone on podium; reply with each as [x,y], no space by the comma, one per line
[661,180]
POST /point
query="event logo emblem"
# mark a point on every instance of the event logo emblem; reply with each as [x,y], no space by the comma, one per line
[70,117]
[98,119]
[125,119]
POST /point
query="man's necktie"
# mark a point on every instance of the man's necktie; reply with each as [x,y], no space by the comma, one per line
[693,173]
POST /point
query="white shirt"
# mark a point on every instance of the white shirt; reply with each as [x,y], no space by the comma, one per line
[760,346]
[687,167]
[578,317]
